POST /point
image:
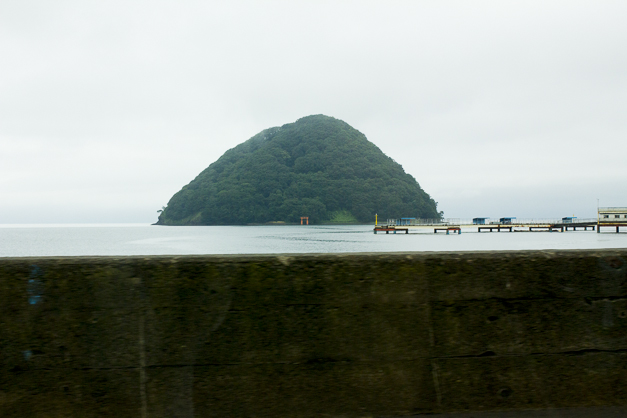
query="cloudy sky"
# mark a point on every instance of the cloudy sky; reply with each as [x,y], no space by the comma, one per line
[514,108]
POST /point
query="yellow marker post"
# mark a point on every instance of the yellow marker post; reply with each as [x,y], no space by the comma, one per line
[375,219]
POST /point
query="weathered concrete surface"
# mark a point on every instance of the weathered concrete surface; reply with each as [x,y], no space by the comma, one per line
[355,335]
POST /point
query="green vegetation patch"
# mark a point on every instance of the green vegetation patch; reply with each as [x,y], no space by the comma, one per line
[343,217]
[318,166]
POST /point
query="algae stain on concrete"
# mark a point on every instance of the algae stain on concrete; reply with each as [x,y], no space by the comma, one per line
[35,285]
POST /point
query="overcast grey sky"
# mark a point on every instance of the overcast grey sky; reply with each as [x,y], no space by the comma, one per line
[500,108]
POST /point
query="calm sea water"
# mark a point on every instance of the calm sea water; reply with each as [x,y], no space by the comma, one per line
[134,239]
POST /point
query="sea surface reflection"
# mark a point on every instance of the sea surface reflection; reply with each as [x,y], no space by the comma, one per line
[140,239]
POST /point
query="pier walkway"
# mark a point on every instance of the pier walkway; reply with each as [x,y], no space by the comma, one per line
[455,225]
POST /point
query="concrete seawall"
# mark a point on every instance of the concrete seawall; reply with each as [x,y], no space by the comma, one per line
[314,335]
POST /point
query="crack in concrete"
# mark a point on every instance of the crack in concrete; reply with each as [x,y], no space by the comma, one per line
[142,365]
[557,353]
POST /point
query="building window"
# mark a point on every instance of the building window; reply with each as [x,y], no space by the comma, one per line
[617,216]
[606,216]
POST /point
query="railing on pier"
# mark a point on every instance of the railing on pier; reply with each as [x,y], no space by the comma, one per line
[424,222]
[488,222]
[539,221]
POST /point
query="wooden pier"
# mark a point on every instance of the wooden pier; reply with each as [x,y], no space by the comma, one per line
[546,227]
[389,229]
[455,226]
[497,227]
[448,229]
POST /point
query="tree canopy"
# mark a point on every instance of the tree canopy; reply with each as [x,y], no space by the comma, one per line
[318,167]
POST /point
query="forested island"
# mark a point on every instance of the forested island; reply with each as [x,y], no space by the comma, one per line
[318,166]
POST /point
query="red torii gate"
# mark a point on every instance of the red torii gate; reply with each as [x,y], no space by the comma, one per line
[306,218]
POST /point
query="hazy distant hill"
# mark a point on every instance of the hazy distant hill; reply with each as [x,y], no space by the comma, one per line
[318,167]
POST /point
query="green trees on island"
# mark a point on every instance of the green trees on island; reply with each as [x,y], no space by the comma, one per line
[318,167]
